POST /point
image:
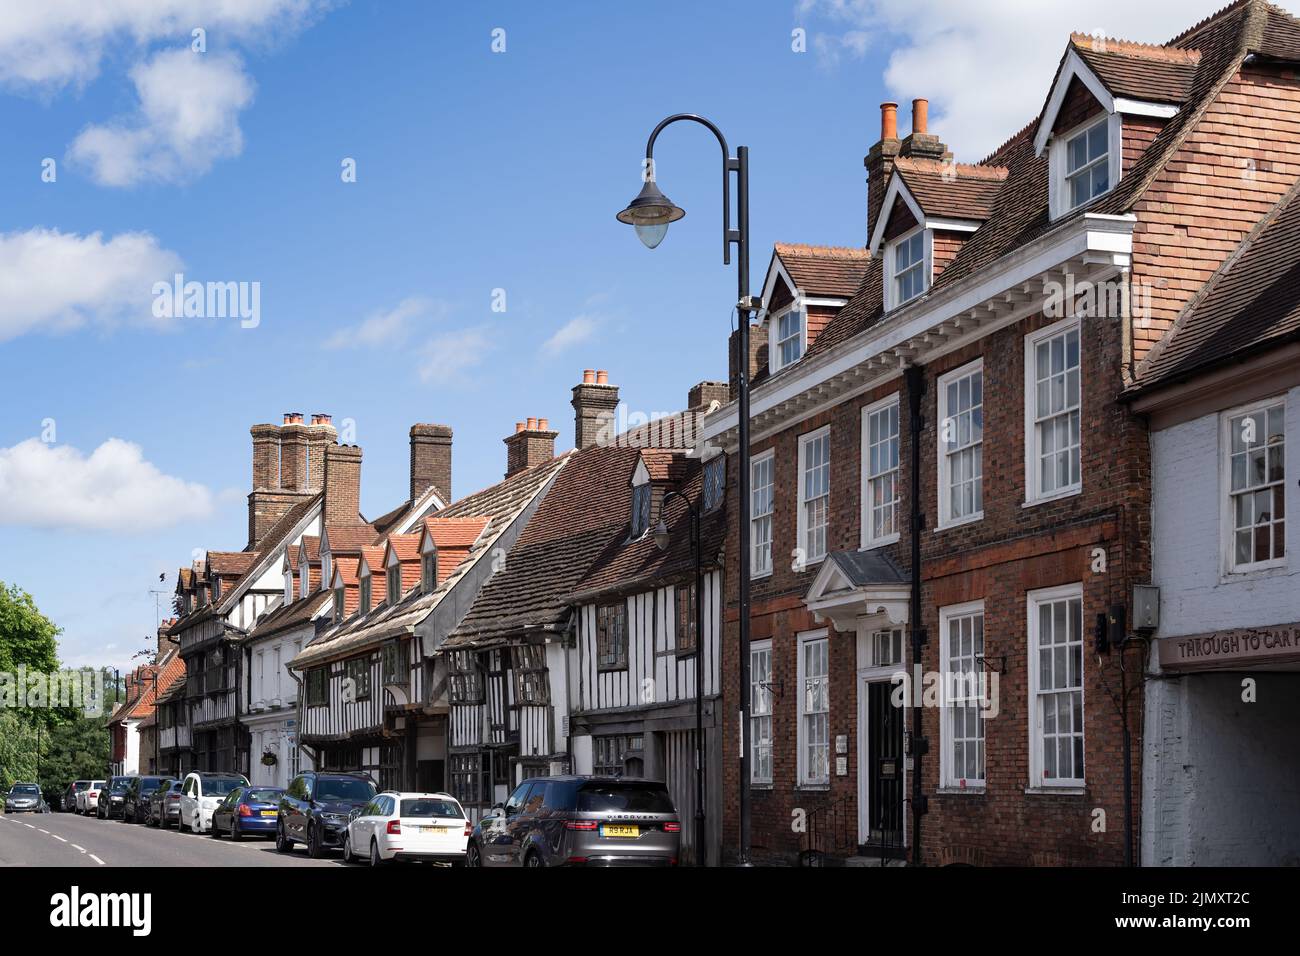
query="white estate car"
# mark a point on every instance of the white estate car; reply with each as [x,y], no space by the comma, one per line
[408,826]
[88,799]
[200,794]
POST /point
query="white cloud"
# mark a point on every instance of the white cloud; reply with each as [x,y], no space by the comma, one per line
[387,328]
[55,43]
[55,281]
[187,119]
[449,356]
[985,67]
[114,489]
[574,332]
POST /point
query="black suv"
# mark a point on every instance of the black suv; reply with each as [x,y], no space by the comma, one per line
[135,802]
[315,808]
[112,797]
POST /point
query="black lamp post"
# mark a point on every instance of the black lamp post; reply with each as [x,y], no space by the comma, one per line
[651,212]
[697,554]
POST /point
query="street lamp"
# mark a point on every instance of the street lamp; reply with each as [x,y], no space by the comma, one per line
[651,212]
[697,552]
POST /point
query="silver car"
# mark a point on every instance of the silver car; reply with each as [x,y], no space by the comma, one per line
[24,798]
[580,821]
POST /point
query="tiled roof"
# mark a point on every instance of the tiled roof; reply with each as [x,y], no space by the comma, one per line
[287,616]
[1138,70]
[407,546]
[228,563]
[350,539]
[501,504]
[1251,303]
[623,566]
[1019,213]
[823,270]
[956,190]
[453,532]
[311,543]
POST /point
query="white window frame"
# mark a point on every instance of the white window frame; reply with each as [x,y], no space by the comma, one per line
[774,335]
[869,540]
[757,648]
[1227,517]
[1033,494]
[809,559]
[1035,723]
[948,777]
[759,569]
[946,520]
[1058,188]
[304,577]
[802,743]
[288,588]
[892,300]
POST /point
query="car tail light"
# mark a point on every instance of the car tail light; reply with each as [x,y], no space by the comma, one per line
[672,828]
[173,796]
[469,828]
[394,826]
[580,824]
[93,793]
[245,810]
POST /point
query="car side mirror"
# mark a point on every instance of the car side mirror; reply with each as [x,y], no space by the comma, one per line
[498,808]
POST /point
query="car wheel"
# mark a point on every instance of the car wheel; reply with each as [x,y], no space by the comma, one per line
[375,858]
[533,859]
[315,846]
[282,843]
[347,846]
[214,831]
[472,857]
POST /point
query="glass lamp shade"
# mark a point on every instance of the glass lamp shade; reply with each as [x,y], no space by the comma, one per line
[661,530]
[651,212]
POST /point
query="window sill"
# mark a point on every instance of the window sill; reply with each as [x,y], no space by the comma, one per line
[808,565]
[1070,791]
[813,788]
[881,542]
[1055,496]
[765,786]
[961,791]
[1256,572]
[960,522]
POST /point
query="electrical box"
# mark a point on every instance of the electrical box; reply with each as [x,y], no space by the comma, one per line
[1146,607]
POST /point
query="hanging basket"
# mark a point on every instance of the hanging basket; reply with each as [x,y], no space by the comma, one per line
[268,759]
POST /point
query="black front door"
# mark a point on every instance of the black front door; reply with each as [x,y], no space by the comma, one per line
[884,768]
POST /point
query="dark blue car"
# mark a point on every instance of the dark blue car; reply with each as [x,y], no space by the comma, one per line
[247,811]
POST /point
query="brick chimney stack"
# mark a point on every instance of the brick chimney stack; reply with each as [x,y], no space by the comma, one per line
[430,459]
[342,485]
[320,435]
[293,452]
[880,163]
[757,357]
[532,444]
[594,404]
[266,456]
[921,143]
[701,396]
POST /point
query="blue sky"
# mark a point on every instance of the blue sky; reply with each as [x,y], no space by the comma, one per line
[476,171]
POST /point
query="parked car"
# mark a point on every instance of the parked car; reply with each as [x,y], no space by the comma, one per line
[111,798]
[201,793]
[24,798]
[247,811]
[88,799]
[135,803]
[579,820]
[165,805]
[68,802]
[425,827]
[315,809]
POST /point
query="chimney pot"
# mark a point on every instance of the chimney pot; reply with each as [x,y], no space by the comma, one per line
[888,121]
[519,426]
[594,404]
[543,425]
[589,376]
[602,377]
[532,424]
[920,116]
[531,444]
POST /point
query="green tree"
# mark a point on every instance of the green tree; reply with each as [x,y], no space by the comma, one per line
[27,637]
[77,749]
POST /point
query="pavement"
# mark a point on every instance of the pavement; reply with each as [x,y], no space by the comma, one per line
[65,839]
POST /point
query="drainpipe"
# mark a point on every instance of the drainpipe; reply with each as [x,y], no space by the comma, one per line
[915,383]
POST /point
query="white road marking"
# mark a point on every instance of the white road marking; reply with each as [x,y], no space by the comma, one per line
[97,859]
[59,838]
[75,847]
[43,830]
[29,826]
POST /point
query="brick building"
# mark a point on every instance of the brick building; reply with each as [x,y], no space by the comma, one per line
[948,481]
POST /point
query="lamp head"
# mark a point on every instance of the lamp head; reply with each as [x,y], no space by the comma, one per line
[651,212]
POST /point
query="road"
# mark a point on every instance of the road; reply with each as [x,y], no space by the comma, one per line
[65,839]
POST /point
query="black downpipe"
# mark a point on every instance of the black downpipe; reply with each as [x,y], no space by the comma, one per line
[915,382]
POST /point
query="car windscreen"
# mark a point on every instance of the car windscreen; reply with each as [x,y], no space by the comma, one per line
[427,807]
[25,790]
[120,784]
[344,790]
[83,784]
[263,795]
[624,797]
[220,786]
[150,784]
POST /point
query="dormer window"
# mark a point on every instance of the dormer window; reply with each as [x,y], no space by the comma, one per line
[1087,173]
[715,480]
[338,604]
[788,330]
[394,587]
[909,275]
[640,509]
[288,588]
[365,594]
[429,570]
[304,578]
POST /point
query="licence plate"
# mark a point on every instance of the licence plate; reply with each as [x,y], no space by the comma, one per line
[438,830]
[270,813]
[619,830]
